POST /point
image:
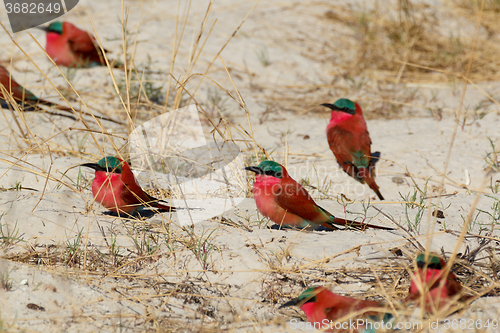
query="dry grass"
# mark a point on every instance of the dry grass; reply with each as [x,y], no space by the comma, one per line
[366,51]
[401,46]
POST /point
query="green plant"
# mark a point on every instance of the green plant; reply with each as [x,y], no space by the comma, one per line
[8,236]
[5,281]
[263,56]
[81,183]
[479,112]
[145,243]
[73,246]
[217,104]
[81,142]
[113,247]
[494,214]
[200,246]
[170,243]
[142,86]
[248,221]
[414,206]
[492,157]
[493,161]
[70,74]
[18,186]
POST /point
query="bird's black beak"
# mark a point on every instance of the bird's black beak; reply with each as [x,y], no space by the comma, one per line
[336,108]
[94,166]
[255,169]
[331,106]
[43,28]
[289,303]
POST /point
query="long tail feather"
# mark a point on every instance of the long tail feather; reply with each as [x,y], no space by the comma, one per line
[329,226]
[376,190]
[357,225]
[366,175]
[165,207]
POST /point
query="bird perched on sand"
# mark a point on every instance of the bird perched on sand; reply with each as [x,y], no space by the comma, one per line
[350,142]
[324,308]
[430,281]
[25,98]
[72,47]
[116,188]
[14,92]
[287,203]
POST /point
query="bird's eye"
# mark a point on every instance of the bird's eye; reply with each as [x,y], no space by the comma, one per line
[277,190]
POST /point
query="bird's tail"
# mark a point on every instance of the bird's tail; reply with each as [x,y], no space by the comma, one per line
[375,158]
[165,207]
[366,175]
[353,224]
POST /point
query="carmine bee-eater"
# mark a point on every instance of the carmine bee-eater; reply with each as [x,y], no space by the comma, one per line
[350,142]
[115,187]
[324,308]
[12,90]
[72,47]
[286,203]
[429,280]
[25,98]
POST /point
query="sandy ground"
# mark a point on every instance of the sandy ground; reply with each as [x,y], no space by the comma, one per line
[67,267]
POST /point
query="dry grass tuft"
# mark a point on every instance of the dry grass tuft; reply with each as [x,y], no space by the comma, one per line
[378,54]
[412,44]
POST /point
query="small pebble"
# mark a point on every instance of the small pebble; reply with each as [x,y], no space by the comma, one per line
[398,180]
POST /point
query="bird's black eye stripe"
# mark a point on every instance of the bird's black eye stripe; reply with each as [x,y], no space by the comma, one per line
[108,168]
[117,169]
[310,299]
[435,266]
[347,110]
[273,173]
[431,266]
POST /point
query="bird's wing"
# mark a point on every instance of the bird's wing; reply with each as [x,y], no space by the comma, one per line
[294,198]
[85,45]
[350,147]
[133,195]
[453,285]
[18,91]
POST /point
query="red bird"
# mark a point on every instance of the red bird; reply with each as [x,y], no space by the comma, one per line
[350,142]
[115,187]
[429,280]
[286,203]
[29,102]
[71,47]
[25,98]
[324,308]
